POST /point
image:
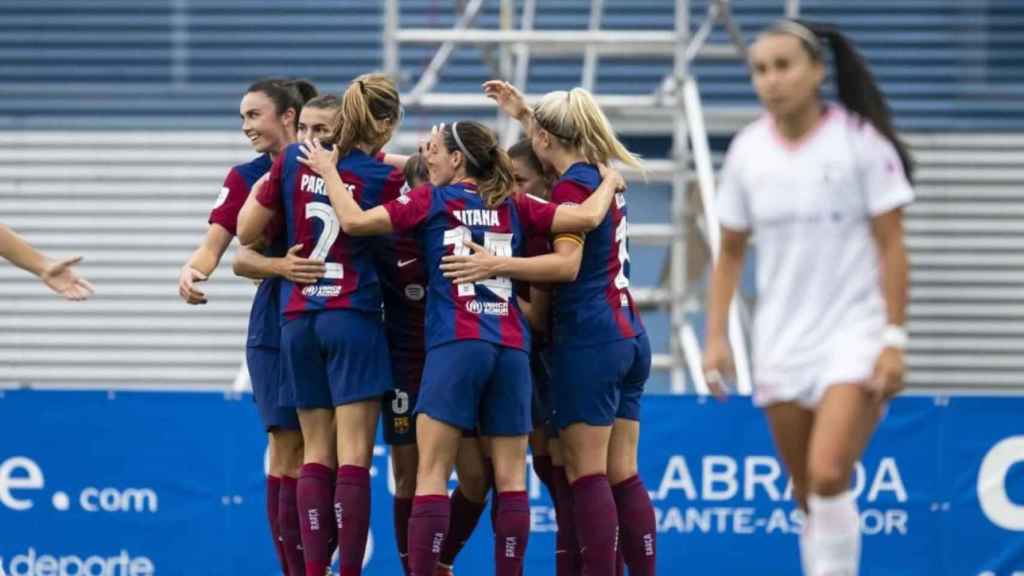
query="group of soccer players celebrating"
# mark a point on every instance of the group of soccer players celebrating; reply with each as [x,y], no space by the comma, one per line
[477,301]
[443,294]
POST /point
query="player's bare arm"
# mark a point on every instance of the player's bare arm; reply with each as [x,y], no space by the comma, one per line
[58,276]
[202,263]
[250,263]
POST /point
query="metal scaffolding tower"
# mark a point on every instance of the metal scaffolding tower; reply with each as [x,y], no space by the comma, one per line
[673,109]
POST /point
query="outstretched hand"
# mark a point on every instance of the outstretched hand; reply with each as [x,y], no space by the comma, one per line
[60,277]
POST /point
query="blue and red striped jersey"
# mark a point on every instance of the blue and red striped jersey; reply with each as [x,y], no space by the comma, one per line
[597,307]
[265,314]
[300,195]
[403,277]
[444,218]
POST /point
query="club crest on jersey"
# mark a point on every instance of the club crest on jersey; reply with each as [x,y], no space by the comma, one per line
[222,197]
[477,217]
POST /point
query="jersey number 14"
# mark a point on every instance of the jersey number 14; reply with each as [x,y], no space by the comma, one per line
[497,243]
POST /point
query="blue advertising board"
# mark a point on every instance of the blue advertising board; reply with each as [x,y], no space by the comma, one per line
[137,484]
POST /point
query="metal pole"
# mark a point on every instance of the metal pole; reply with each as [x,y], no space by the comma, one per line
[681,157]
[440,59]
[390,39]
[590,56]
[179,44]
[522,73]
[792,8]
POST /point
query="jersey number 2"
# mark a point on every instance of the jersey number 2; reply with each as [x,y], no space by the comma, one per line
[325,214]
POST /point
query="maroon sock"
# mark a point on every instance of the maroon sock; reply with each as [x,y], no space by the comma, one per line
[288,522]
[511,533]
[273,515]
[567,549]
[637,525]
[465,514]
[597,523]
[352,513]
[402,509]
[489,475]
[542,468]
[428,526]
[316,518]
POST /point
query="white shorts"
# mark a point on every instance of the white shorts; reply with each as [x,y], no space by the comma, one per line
[852,360]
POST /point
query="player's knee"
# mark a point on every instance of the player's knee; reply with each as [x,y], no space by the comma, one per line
[286,452]
[828,477]
[474,484]
[620,470]
[509,480]
[405,483]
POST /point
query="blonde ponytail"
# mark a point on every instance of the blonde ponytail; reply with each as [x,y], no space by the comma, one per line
[578,122]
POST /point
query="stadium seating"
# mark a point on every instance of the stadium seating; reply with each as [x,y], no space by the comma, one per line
[117,125]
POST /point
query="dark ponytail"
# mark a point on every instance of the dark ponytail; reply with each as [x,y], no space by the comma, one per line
[855,84]
[286,93]
[485,161]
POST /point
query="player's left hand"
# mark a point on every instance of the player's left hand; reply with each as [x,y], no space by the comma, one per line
[317,158]
[61,278]
[479,266]
[887,378]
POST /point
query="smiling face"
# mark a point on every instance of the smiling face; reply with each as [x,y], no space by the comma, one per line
[786,77]
[266,130]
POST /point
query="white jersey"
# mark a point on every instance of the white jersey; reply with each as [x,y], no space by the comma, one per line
[809,205]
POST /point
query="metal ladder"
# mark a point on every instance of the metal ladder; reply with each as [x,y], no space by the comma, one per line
[674,108]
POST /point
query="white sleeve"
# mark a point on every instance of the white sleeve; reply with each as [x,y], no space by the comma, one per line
[883,183]
[733,198]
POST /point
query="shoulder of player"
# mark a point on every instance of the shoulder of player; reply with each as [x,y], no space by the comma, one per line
[586,175]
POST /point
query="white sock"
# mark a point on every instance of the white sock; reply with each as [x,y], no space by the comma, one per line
[806,560]
[834,535]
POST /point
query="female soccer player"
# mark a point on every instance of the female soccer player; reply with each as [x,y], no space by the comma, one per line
[334,350]
[600,354]
[259,262]
[477,368]
[270,112]
[58,276]
[822,186]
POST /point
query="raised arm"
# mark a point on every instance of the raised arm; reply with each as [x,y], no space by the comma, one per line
[58,276]
[354,220]
[512,102]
